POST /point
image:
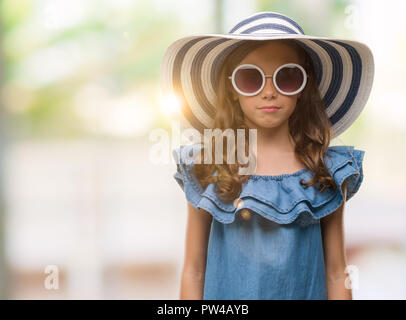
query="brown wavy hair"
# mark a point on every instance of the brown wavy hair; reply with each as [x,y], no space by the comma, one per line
[309,127]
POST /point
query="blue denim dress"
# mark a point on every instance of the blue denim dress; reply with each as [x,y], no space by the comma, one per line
[269,245]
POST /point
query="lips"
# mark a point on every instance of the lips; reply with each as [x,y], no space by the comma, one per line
[270,107]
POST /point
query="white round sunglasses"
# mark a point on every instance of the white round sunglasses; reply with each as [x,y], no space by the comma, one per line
[288,79]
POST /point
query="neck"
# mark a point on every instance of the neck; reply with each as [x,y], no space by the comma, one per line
[276,138]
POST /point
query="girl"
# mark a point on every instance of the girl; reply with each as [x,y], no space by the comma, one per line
[276,233]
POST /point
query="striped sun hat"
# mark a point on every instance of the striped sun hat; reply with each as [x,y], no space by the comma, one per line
[344,68]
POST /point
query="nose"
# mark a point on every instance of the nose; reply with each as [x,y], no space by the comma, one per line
[269,89]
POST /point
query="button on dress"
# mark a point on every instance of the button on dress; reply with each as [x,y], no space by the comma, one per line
[268,244]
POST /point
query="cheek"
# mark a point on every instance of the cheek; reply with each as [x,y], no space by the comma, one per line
[247,104]
[289,102]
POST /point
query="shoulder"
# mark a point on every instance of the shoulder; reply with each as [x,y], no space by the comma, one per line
[338,155]
[345,164]
[185,158]
[186,155]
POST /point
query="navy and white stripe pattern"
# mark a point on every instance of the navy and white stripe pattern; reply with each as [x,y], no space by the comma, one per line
[344,68]
[267,22]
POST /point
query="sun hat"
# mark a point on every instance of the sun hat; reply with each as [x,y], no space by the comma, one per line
[344,68]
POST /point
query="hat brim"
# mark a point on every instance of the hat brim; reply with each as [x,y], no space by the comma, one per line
[344,70]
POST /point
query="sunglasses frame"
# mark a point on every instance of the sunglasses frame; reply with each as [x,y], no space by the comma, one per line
[305,76]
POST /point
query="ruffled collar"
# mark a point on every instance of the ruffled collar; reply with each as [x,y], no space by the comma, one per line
[278,176]
[338,153]
[280,198]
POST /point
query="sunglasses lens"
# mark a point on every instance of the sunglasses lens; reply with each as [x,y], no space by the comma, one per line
[289,79]
[248,79]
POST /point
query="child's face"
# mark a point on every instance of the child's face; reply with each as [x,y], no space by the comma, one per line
[268,57]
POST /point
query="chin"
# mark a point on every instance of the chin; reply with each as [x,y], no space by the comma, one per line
[267,125]
[264,123]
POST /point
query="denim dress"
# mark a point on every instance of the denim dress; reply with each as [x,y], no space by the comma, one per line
[268,243]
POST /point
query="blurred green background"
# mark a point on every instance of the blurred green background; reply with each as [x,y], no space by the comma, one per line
[80,96]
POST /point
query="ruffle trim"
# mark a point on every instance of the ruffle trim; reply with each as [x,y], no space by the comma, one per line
[280,198]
